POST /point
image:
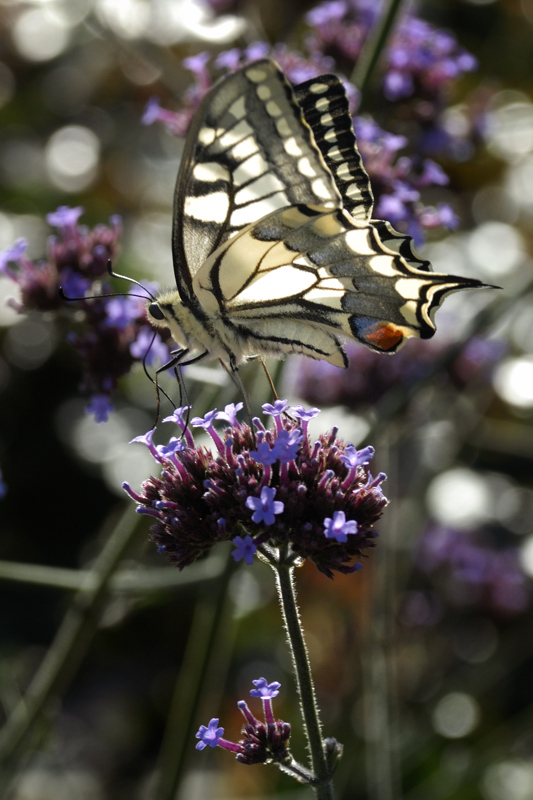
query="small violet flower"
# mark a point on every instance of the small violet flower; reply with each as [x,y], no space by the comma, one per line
[209,735]
[265,507]
[338,528]
[244,549]
[261,742]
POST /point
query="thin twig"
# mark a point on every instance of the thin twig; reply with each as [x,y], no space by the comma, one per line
[367,61]
[71,641]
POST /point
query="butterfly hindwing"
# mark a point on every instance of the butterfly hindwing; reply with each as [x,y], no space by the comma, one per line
[317,277]
[248,152]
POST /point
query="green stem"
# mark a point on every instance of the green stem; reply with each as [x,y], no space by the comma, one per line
[149,580]
[71,641]
[367,61]
[304,680]
[208,636]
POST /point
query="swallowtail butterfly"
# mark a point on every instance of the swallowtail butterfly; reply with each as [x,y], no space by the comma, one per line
[273,244]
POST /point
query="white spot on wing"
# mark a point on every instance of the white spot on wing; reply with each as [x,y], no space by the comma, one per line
[263,92]
[326,120]
[211,208]
[211,171]
[353,191]
[383,265]
[408,311]
[409,288]
[276,285]
[258,210]
[238,108]
[273,109]
[304,166]
[256,75]
[321,104]
[318,88]
[264,185]
[321,190]
[231,137]
[206,136]
[245,149]
[358,242]
[284,129]
[292,148]
[253,166]
[326,297]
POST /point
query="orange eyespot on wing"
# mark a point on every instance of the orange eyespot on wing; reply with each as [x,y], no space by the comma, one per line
[382,336]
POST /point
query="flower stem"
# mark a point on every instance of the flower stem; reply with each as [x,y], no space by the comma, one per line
[71,641]
[367,61]
[304,680]
[208,649]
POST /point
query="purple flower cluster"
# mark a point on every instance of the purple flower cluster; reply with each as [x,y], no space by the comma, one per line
[113,332]
[418,60]
[476,572]
[274,491]
[261,742]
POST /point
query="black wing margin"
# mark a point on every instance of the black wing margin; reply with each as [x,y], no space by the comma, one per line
[325,106]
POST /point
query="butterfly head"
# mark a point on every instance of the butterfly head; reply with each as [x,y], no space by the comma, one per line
[165,311]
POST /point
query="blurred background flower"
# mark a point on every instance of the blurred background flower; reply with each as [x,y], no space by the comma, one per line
[423,658]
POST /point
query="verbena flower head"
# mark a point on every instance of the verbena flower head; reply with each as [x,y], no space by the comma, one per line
[262,742]
[110,333]
[273,493]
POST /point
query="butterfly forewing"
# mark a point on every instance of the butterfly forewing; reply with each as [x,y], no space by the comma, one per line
[325,107]
[249,152]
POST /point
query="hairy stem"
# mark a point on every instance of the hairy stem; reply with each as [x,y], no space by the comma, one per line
[304,680]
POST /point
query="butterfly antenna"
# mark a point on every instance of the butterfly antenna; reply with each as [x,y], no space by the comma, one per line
[64,296]
[114,274]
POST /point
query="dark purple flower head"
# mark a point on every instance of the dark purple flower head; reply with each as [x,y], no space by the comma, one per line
[242,493]
[108,333]
[262,742]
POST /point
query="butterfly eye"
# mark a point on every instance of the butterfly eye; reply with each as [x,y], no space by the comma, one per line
[155,311]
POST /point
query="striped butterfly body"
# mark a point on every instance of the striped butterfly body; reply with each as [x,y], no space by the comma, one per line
[274,248]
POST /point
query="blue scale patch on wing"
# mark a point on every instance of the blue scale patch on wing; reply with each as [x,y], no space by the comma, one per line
[325,106]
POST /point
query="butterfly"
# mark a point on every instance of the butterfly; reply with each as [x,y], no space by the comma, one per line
[274,248]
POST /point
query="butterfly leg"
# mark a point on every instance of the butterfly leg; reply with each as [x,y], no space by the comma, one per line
[269,378]
[175,363]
